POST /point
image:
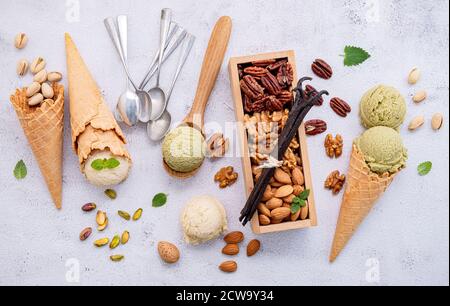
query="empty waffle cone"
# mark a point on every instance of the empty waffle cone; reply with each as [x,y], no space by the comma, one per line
[93,125]
[363,190]
[43,127]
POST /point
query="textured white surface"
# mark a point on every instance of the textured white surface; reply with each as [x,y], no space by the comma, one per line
[407,234]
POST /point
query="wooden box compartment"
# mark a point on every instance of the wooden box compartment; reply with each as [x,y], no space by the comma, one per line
[257,228]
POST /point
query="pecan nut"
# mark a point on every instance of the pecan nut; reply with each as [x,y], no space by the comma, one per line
[340,107]
[322,69]
[315,127]
[285,75]
[273,104]
[264,63]
[311,92]
[335,181]
[285,96]
[276,65]
[255,71]
[270,83]
[251,88]
[260,105]
[333,146]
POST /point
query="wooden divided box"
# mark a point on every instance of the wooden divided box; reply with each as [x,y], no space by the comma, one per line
[309,219]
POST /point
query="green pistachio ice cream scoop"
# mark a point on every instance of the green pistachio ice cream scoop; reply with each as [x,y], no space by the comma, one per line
[383,149]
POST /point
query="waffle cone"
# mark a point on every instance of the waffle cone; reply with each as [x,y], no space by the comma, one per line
[93,125]
[361,194]
[43,127]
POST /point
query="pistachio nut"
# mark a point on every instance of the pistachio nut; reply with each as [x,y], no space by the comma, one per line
[101,242]
[420,96]
[414,76]
[138,214]
[54,76]
[35,100]
[37,65]
[102,227]
[116,258]
[437,121]
[111,193]
[416,123]
[85,233]
[41,76]
[47,91]
[114,242]
[101,217]
[88,207]
[124,215]
[22,67]
[33,89]
[20,40]
[125,237]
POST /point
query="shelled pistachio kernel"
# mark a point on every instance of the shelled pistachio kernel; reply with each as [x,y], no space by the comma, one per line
[124,215]
[125,237]
[101,242]
[138,214]
[111,193]
[116,258]
[114,242]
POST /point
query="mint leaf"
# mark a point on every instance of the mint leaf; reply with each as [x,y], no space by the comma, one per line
[20,171]
[425,168]
[111,163]
[98,164]
[159,200]
[304,195]
[355,56]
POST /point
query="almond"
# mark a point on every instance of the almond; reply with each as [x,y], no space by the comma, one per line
[267,194]
[264,220]
[284,191]
[228,266]
[296,216]
[231,249]
[253,247]
[168,252]
[289,199]
[297,190]
[304,212]
[234,237]
[437,121]
[297,177]
[275,221]
[263,210]
[274,203]
[416,123]
[414,76]
[282,177]
[420,96]
[280,213]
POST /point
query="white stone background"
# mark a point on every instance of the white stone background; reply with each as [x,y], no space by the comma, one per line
[406,237]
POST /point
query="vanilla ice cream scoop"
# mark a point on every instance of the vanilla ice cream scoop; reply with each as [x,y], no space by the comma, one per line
[203,219]
[102,168]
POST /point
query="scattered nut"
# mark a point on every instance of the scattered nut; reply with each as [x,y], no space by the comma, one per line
[33,89]
[124,215]
[416,123]
[100,218]
[137,215]
[88,207]
[116,258]
[315,127]
[35,100]
[226,177]
[335,181]
[333,146]
[125,237]
[437,121]
[228,266]
[54,76]
[37,65]
[420,96]
[101,242]
[253,247]
[231,249]
[414,76]
[41,76]
[21,40]
[102,227]
[168,252]
[111,193]
[22,67]
[114,242]
[84,235]
[234,237]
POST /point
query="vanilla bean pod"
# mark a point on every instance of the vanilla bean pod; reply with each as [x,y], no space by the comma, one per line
[299,111]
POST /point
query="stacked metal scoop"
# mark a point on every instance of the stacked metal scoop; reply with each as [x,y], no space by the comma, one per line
[141,103]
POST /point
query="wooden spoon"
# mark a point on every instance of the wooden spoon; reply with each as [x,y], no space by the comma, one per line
[212,62]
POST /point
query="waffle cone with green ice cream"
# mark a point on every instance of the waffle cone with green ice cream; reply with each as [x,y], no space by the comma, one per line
[377,157]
